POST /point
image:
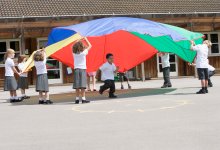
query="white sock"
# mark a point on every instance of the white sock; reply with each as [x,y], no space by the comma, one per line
[12,97]
[77,98]
[83,98]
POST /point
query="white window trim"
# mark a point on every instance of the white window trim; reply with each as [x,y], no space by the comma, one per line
[209,38]
[8,46]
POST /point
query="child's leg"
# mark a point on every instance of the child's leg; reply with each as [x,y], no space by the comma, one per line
[93,83]
[23,92]
[11,95]
[105,86]
[40,96]
[112,88]
[77,94]
[88,83]
[83,94]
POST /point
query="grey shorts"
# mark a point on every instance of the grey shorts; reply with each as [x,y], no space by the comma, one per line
[23,83]
[42,83]
[203,73]
[79,79]
[10,84]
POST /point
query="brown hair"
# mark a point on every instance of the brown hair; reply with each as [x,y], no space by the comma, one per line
[38,56]
[21,58]
[9,51]
[78,47]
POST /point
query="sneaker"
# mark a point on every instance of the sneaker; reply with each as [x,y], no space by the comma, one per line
[122,87]
[76,101]
[48,102]
[169,85]
[85,101]
[112,96]
[164,86]
[129,87]
[206,91]
[201,92]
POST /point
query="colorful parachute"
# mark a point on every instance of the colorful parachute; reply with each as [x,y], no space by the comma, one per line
[131,40]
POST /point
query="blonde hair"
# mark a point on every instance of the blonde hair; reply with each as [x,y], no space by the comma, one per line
[8,52]
[208,43]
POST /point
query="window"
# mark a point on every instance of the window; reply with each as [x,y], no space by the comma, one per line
[215,39]
[6,44]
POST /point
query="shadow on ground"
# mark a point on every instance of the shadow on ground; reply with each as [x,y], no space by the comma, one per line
[95,96]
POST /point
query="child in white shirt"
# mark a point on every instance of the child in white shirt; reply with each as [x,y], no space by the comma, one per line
[23,79]
[42,86]
[202,63]
[10,81]
[108,70]
[79,55]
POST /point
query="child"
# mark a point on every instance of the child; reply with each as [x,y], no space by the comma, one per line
[108,69]
[10,81]
[122,78]
[211,70]
[23,79]
[93,75]
[42,87]
[202,63]
[165,59]
[79,54]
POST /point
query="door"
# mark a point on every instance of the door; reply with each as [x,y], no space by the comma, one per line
[54,67]
[173,66]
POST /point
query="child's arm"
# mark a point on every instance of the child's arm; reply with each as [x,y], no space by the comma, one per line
[116,69]
[192,47]
[15,70]
[89,44]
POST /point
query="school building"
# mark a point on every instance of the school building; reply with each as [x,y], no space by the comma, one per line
[25,25]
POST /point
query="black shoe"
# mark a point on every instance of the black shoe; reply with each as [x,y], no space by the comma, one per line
[164,86]
[76,101]
[26,97]
[122,87]
[85,101]
[129,87]
[48,102]
[41,102]
[100,91]
[210,85]
[201,92]
[12,100]
[206,91]
[112,96]
[169,85]
[20,99]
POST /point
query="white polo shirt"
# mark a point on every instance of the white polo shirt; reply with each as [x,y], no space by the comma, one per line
[20,67]
[165,59]
[108,71]
[9,63]
[202,55]
[41,66]
[80,60]
[211,68]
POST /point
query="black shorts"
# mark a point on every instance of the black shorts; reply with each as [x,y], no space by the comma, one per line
[203,73]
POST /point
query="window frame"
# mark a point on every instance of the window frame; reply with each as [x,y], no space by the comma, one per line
[209,38]
[8,46]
